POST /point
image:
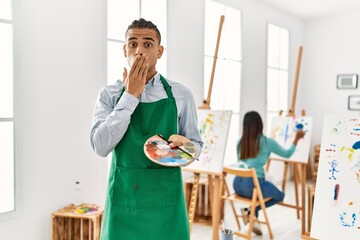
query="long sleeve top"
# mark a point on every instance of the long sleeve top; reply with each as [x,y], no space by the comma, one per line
[267,146]
[111,118]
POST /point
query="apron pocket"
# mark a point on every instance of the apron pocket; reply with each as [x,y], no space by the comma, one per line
[146,188]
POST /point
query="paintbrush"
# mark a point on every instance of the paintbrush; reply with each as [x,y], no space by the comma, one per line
[177,147]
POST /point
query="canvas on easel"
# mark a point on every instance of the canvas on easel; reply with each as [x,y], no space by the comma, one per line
[336,212]
[214,127]
[283,130]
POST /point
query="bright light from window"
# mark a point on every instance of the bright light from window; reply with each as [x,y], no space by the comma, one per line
[5,10]
[277,72]
[116,61]
[226,84]
[120,15]
[150,10]
[7,190]
[6,71]
[7,164]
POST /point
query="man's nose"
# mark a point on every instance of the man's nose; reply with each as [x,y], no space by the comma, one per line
[139,50]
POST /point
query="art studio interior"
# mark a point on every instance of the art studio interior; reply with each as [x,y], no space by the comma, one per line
[296,63]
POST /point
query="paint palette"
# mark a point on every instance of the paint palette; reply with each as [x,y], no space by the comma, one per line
[157,149]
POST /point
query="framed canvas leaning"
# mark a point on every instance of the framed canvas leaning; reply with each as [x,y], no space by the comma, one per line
[336,212]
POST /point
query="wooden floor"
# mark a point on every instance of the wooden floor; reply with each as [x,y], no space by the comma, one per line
[283,221]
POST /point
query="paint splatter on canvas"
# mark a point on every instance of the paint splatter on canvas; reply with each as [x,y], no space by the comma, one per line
[214,127]
[283,130]
[336,213]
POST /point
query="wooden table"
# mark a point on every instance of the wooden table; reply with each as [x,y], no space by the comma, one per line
[70,225]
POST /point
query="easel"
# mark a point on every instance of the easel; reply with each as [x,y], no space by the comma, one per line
[299,171]
[213,179]
[206,102]
[306,236]
[299,168]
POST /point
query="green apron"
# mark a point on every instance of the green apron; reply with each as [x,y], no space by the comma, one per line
[145,201]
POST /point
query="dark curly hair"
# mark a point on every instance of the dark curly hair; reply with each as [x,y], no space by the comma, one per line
[142,23]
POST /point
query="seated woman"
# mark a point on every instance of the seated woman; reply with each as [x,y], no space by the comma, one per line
[254,149]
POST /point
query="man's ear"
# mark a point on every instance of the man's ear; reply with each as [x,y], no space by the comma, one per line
[124,48]
[160,51]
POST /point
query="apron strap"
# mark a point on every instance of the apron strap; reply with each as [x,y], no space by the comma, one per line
[121,93]
[167,87]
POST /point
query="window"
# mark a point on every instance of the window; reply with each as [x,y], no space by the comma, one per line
[277,72]
[7,161]
[118,19]
[227,76]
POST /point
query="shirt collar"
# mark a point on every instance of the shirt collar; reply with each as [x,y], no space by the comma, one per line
[155,80]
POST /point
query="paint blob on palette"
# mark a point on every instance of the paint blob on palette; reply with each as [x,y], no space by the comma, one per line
[157,149]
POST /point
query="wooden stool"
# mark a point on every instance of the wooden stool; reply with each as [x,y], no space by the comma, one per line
[69,225]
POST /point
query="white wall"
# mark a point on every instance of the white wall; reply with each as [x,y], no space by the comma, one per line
[186,44]
[60,68]
[331,48]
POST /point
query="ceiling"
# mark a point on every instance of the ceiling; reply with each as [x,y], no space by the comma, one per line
[309,9]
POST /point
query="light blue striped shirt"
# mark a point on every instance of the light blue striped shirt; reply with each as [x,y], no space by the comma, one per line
[111,119]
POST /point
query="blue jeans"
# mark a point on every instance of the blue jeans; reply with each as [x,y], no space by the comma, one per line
[244,187]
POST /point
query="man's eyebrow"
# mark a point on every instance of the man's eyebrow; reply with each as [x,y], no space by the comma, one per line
[145,38]
[149,38]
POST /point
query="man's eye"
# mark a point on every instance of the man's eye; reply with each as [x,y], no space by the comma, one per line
[148,45]
[132,45]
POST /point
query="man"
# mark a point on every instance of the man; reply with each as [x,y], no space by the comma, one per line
[144,200]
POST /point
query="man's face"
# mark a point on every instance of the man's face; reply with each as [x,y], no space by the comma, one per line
[140,41]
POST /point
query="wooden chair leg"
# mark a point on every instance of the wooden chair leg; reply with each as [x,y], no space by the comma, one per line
[232,206]
[256,200]
[263,207]
[252,213]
